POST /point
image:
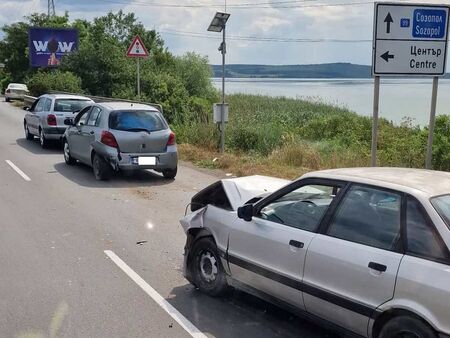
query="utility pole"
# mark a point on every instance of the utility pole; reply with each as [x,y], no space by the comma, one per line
[51,8]
[218,25]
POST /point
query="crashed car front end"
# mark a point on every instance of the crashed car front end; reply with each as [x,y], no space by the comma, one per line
[215,207]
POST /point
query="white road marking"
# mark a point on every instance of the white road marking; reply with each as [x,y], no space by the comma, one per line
[17,170]
[164,304]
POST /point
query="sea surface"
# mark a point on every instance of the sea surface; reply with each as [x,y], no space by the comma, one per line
[399,98]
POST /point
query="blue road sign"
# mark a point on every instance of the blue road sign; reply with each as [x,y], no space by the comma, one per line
[405,22]
[429,23]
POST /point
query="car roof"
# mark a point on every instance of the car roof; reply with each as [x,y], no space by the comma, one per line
[67,96]
[119,105]
[17,84]
[429,182]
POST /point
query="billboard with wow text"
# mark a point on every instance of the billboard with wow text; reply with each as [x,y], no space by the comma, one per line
[47,46]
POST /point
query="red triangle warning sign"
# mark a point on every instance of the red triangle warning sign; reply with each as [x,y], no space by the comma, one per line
[137,48]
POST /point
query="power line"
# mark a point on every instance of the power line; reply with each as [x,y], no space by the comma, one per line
[263,39]
[273,5]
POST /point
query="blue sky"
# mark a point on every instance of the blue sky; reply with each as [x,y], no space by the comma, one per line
[310,19]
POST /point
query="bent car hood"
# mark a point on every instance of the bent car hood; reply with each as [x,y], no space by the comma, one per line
[242,189]
[238,191]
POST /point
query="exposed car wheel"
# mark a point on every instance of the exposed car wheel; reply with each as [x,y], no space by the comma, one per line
[206,267]
[170,173]
[102,170]
[406,327]
[69,159]
[28,135]
[42,140]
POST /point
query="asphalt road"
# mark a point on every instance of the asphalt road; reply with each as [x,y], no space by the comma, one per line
[57,281]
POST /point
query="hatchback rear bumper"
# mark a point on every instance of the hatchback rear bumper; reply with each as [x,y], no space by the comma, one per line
[128,161]
[54,133]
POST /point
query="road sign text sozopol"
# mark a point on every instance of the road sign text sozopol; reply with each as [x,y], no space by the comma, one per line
[410,39]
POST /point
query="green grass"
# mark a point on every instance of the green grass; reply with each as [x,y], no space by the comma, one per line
[314,135]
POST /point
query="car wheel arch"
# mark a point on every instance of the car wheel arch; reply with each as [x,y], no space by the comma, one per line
[389,314]
[194,235]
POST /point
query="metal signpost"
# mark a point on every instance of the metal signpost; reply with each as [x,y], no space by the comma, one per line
[137,50]
[218,25]
[409,40]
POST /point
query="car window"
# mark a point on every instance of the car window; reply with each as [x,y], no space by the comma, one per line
[40,105]
[137,120]
[70,105]
[442,206]
[422,239]
[93,117]
[302,208]
[80,120]
[47,104]
[368,216]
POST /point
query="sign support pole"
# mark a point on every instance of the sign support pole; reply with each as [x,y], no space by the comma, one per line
[222,110]
[376,102]
[138,79]
[434,92]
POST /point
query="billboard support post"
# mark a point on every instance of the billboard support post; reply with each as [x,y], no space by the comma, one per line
[434,92]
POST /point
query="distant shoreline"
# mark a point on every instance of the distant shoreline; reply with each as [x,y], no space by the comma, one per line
[336,70]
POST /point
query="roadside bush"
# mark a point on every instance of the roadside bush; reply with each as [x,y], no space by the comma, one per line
[441,143]
[43,81]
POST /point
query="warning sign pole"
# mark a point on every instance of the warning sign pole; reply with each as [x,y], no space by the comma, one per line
[137,50]
[138,79]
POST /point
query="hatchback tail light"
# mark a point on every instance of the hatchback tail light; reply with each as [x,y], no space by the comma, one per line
[51,120]
[171,141]
[108,139]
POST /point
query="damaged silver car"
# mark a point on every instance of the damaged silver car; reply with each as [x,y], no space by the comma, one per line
[361,249]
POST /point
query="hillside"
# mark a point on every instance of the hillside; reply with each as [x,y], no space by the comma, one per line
[327,70]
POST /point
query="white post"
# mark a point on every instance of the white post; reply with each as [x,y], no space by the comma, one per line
[434,92]
[138,80]
[222,110]
[376,101]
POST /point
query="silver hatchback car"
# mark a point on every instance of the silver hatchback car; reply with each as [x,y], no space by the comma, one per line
[364,249]
[123,136]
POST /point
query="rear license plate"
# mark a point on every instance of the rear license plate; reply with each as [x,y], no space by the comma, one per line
[150,160]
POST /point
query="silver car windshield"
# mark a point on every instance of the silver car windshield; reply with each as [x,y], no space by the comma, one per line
[442,206]
[70,105]
[137,120]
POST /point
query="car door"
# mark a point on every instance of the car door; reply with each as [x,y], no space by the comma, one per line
[74,133]
[268,252]
[87,135]
[33,118]
[352,264]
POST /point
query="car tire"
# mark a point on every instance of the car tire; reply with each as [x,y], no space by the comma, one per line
[170,173]
[67,157]
[28,135]
[206,268]
[102,170]
[42,140]
[406,326]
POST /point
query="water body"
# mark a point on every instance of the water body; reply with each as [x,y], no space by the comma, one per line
[399,98]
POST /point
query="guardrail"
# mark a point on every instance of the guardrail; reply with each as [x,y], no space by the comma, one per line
[108,99]
[28,100]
